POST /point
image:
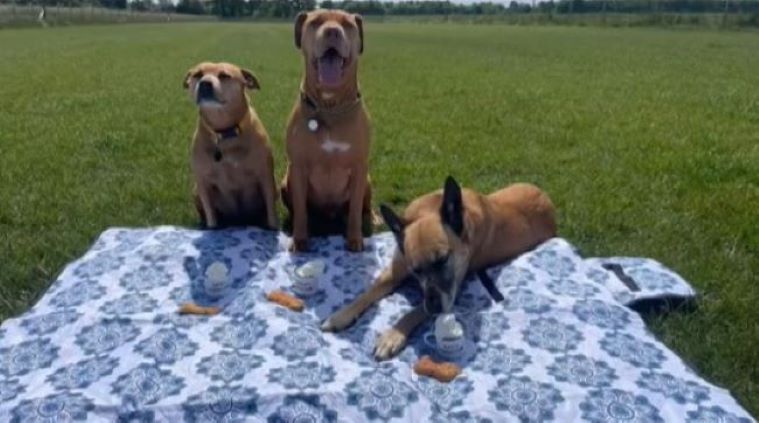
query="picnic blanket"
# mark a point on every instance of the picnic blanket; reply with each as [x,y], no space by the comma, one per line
[105,343]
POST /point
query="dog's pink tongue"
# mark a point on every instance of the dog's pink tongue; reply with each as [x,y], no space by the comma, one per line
[330,69]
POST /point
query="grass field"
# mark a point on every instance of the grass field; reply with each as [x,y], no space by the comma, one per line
[27,15]
[647,140]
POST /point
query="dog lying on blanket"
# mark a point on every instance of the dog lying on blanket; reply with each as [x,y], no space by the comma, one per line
[444,236]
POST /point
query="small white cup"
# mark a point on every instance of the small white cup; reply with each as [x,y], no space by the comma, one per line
[450,346]
[214,288]
[449,335]
[307,278]
[216,279]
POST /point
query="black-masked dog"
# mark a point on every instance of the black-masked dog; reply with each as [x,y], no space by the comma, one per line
[444,236]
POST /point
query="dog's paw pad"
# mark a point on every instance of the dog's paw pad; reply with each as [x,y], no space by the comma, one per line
[299,246]
[355,245]
[389,344]
[337,322]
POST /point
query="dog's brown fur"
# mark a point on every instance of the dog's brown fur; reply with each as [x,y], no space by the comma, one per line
[239,188]
[327,174]
[490,229]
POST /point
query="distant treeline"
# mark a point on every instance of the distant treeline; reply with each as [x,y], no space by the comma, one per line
[374,7]
[289,8]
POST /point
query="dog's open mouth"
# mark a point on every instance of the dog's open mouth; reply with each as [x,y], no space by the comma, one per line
[210,103]
[330,67]
[205,95]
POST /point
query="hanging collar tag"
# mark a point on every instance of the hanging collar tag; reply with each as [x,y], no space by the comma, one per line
[313,125]
[224,134]
[318,115]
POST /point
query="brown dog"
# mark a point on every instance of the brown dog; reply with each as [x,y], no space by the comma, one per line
[327,176]
[443,237]
[231,158]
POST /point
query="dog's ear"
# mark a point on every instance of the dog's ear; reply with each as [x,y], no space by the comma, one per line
[251,82]
[187,77]
[360,25]
[452,210]
[299,20]
[395,224]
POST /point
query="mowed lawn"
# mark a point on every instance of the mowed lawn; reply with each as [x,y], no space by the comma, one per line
[647,140]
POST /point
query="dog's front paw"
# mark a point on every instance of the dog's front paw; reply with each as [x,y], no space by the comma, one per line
[299,246]
[273,223]
[355,244]
[389,344]
[338,321]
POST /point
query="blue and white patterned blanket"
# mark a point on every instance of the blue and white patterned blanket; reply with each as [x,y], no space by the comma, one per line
[106,343]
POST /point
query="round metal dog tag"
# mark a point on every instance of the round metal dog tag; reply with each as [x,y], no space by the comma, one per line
[313,125]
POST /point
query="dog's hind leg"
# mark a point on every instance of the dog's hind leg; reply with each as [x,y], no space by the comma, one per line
[297,190]
[392,341]
[269,188]
[369,219]
[209,214]
[199,209]
[354,235]
[385,284]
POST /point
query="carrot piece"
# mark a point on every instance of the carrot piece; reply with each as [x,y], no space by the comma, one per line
[190,308]
[286,300]
[444,372]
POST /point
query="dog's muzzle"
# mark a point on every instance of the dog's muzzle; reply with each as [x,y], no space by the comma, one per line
[432,305]
[205,92]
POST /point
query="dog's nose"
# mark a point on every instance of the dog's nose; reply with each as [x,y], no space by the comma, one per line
[205,91]
[332,32]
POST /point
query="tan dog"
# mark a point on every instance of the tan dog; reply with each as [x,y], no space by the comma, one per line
[231,158]
[444,236]
[327,176]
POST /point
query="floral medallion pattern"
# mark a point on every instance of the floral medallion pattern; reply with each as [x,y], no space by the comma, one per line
[526,399]
[380,395]
[582,370]
[614,405]
[229,366]
[302,375]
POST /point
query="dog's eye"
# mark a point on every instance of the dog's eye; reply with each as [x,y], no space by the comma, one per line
[198,75]
[223,76]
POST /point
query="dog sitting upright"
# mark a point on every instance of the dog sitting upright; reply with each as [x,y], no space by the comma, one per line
[444,236]
[327,180]
[231,159]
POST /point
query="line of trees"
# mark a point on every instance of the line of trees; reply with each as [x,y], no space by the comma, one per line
[374,7]
[653,6]
[289,8]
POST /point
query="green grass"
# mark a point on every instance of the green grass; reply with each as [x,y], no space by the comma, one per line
[647,140]
[17,16]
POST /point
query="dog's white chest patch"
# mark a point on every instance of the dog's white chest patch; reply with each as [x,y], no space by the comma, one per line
[331,146]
